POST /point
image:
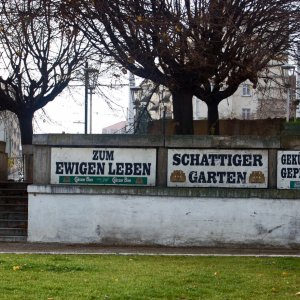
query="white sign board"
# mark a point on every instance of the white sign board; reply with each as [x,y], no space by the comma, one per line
[288,169]
[218,168]
[103,166]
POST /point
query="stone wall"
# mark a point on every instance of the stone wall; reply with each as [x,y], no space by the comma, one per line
[3,162]
[163,215]
[43,144]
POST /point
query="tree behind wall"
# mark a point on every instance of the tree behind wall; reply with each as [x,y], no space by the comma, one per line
[200,47]
[39,54]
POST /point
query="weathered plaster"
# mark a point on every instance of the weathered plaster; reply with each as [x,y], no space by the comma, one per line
[120,216]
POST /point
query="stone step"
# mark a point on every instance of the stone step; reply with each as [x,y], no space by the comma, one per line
[13,185]
[13,211]
[14,200]
[6,223]
[8,215]
[13,192]
[17,239]
[13,232]
[13,207]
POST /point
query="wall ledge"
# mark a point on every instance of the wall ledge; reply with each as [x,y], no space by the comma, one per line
[148,141]
[271,194]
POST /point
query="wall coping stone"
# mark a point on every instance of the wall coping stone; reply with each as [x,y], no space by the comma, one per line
[97,140]
[271,194]
[146,141]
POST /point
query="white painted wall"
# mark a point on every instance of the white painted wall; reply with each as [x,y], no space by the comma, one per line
[153,220]
[229,108]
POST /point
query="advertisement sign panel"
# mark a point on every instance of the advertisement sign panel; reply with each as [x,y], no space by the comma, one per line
[103,166]
[218,168]
[288,169]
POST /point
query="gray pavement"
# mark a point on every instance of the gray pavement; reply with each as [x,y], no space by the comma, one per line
[58,248]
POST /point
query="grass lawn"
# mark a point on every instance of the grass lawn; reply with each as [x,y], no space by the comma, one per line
[52,277]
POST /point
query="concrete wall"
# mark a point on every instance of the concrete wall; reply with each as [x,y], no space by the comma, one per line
[43,144]
[170,217]
[160,215]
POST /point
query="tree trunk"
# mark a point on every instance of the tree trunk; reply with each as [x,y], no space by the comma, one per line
[213,126]
[183,111]
[26,129]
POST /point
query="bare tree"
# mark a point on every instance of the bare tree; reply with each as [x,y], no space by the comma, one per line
[273,91]
[38,56]
[205,48]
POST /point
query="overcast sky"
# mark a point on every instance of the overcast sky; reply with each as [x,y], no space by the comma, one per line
[66,112]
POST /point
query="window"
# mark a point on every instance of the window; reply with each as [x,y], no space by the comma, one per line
[246,90]
[246,113]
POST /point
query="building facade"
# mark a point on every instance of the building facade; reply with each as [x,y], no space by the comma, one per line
[271,98]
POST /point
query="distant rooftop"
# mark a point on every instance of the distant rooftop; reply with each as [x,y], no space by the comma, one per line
[119,127]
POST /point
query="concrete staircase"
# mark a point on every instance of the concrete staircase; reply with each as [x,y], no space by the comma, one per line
[13,211]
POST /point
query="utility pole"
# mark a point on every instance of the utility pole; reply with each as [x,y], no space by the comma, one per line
[130,112]
[90,83]
[86,95]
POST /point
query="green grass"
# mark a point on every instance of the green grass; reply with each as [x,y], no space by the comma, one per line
[147,277]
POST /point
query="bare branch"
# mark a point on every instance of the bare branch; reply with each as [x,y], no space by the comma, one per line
[40,54]
[197,47]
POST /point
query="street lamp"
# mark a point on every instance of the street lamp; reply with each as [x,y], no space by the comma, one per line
[90,83]
[287,76]
[136,96]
